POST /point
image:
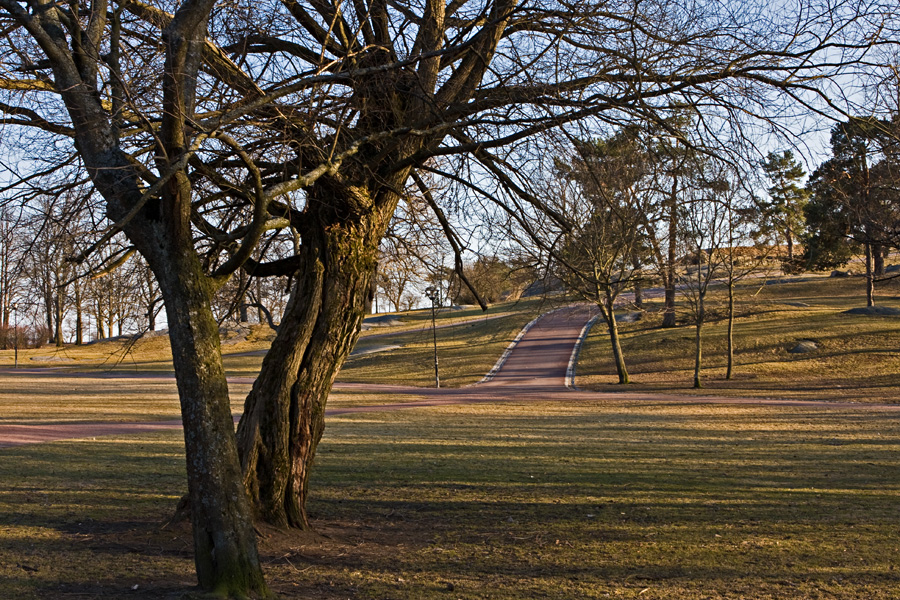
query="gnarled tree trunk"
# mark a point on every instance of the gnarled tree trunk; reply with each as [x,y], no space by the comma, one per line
[284,414]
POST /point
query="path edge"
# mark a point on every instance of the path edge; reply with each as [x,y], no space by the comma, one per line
[503,357]
[576,350]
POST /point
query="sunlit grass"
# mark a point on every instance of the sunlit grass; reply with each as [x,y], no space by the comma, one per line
[29,399]
[469,343]
[858,357]
[512,501]
[465,352]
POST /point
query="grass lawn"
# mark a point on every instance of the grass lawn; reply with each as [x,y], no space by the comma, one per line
[470,342]
[591,500]
[858,357]
[465,352]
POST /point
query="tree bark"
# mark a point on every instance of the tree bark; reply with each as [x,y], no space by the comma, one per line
[618,356]
[669,278]
[284,413]
[790,248]
[224,539]
[58,317]
[638,282]
[79,323]
[878,260]
[730,336]
[265,429]
[243,317]
[98,315]
[870,276]
[698,340]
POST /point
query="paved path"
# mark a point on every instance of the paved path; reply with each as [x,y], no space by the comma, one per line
[534,370]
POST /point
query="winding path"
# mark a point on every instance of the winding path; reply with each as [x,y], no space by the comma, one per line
[534,369]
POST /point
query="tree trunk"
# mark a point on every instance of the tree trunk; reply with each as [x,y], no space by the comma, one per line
[50,310]
[265,429]
[878,260]
[730,370]
[284,413]
[242,298]
[790,249]
[613,327]
[224,539]
[870,277]
[698,345]
[79,321]
[262,314]
[58,317]
[669,279]
[638,282]
[100,318]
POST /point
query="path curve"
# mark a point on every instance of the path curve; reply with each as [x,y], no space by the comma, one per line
[535,370]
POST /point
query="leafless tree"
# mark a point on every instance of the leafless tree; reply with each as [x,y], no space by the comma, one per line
[706,215]
[609,200]
[207,126]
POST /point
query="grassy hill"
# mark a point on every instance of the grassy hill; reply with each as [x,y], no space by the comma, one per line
[858,356]
[396,349]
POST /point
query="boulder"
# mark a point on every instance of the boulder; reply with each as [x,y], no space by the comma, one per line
[804,347]
[629,317]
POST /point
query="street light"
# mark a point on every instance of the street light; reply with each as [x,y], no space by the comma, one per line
[432,293]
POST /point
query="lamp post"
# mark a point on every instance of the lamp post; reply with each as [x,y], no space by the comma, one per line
[432,293]
[15,313]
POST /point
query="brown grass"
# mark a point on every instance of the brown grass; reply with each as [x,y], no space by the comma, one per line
[858,357]
[515,501]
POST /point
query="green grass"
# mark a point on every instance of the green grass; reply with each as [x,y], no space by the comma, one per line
[511,501]
[858,357]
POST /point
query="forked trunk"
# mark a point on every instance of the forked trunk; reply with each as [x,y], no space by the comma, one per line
[264,431]
[284,414]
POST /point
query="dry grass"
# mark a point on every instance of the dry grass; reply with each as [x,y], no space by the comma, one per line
[466,352]
[41,399]
[858,357]
[469,342]
[596,499]
[512,501]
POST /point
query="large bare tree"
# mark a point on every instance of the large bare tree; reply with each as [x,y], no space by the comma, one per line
[207,126]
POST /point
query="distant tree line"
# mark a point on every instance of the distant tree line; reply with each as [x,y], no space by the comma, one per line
[46,298]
